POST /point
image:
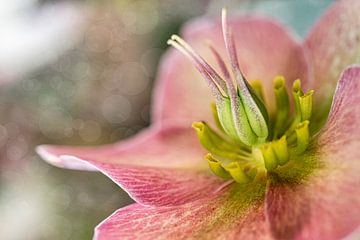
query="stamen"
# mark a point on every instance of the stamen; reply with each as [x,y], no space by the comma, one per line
[297,87]
[247,146]
[280,149]
[269,157]
[250,169]
[297,93]
[302,137]
[282,106]
[258,88]
[275,153]
[237,173]
[291,138]
[217,145]
[216,116]
[303,107]
[216,167]
[305,102]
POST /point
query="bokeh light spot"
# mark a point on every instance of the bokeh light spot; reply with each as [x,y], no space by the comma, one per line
[55,123]
[133,78]
[90,131]
[116,109]
[140,17]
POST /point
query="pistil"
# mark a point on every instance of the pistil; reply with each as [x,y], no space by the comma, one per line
[248,144]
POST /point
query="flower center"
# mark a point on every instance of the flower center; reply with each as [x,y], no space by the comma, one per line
[249,142]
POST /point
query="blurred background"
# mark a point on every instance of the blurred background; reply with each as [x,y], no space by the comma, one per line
[81,73]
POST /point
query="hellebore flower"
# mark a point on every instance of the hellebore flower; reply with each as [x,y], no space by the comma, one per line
[273,169]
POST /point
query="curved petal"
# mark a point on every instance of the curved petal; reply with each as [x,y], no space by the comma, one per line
[156,167]
[327,204]
[265,49]
[228,215]
[167,146]
[334,44]
[162,186]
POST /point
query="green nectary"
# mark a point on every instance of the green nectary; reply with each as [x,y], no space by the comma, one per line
[229,157]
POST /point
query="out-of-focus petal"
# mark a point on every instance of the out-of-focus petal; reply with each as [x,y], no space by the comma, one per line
[236,213]
[157,167]
[265,49]
[325,205]
[333,44]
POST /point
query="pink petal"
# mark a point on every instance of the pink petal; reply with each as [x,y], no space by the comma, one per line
[334,43]
[158,146]
[162,186]
[265,49]
[226,216]
[156,167]
[355,235]
[325,205]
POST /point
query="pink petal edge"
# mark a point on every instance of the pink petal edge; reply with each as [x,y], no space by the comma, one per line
[161,145]
[160,166]
[333,44]
[63,161]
